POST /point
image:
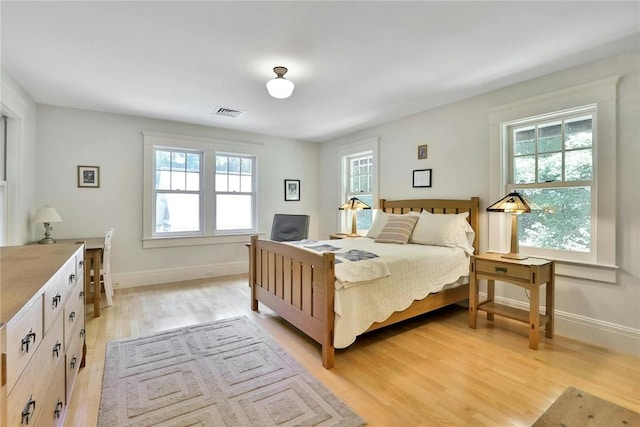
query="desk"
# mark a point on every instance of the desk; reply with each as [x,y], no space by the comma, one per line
[93,259]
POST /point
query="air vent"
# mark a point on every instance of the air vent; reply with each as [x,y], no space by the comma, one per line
[226,112]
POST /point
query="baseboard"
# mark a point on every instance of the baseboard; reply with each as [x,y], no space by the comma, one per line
[593,331]
[155,277]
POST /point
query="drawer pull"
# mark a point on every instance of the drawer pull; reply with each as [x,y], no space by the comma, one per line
[58,409]
[56,300]
[81,295]
[72,316]
[72,278]
[81,264]
[26,412]
[27,340]
[56,349]
[501,270]
[82,332]
[72,364]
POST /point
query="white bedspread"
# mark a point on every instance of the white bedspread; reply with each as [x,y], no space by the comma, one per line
[414,272]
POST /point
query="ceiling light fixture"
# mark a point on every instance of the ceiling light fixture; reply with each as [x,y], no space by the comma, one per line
[280,87]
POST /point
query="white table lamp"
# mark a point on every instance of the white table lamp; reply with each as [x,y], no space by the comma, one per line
[47,215]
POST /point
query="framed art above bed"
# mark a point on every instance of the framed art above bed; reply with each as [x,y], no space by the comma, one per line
[309,283]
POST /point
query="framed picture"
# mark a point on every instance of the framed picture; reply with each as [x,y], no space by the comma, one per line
[89,176]
[422,151]
[422,178]
[291,190]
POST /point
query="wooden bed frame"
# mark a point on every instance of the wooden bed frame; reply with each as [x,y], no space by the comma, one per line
[300,285]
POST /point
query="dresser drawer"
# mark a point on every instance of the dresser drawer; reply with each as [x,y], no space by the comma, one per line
[54,407]
[73,314]
[503,269]
[74,358]
[57,291]
[34,383]
[23,338]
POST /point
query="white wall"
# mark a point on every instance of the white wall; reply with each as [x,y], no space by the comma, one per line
[70,137]
[458,139]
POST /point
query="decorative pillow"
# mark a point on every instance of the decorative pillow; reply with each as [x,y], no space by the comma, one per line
[443,230]
[397,229]
[380,218]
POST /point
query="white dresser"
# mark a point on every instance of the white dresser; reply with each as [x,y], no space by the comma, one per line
[42,331]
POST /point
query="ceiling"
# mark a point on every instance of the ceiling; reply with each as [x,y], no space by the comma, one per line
[355,64]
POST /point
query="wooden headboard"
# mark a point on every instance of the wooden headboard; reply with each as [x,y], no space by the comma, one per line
[439,206]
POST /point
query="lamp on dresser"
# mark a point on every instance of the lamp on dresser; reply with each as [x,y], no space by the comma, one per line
[515,204]
[354,204]
[47,215]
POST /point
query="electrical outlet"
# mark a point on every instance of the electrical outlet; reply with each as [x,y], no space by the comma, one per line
[116,285]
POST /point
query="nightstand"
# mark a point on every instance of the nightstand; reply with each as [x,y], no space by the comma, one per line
[529,273]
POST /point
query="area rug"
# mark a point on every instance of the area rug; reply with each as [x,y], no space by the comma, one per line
[223,373]
[575,408]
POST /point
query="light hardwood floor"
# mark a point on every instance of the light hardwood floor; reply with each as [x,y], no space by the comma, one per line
[429,371]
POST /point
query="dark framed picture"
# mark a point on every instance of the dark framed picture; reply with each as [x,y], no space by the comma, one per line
[422,151]
[291,190]
[89,176]
[422,178]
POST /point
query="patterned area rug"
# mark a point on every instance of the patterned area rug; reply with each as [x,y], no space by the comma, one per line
[223,373]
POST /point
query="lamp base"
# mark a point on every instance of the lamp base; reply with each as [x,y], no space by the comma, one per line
[512,255]
[353,235]
[47,240]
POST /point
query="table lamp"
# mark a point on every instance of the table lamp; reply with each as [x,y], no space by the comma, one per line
[515,204]
[354,204]
[47,215]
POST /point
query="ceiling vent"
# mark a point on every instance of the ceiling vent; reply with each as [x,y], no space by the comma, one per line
[226,112]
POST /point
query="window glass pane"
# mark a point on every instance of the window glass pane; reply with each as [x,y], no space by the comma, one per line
[550,167]
[578,165]
[525,141]
[163,180]
[163,160]
[221,164]
[234,183]
[178,180]
[221,182]
[563,224]
[233,212]
[364,216]
[193,162]
[525,170]
[193,181]
[178,161]
[177,212]
[246,184]
[355,184]
[579,133]
[364,181]
[246,166]
[550,137]
[234,165]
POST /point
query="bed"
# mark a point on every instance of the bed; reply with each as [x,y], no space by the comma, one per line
[299,282]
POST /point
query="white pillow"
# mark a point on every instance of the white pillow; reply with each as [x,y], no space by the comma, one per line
[450,230]
[380,218]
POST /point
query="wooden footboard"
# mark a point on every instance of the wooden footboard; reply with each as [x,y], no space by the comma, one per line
[298,285]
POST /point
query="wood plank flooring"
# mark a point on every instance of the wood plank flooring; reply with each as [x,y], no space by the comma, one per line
[428,371]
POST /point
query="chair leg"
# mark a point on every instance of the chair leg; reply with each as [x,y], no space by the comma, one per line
[108,289]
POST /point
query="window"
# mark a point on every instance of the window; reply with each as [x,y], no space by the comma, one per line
[552,164]
[359,174]
[559,149]
[197,191]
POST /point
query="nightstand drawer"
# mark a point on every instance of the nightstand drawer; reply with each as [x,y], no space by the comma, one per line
[503,269]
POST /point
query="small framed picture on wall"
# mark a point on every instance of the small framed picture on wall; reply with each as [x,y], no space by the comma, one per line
[291,190]
[422,178]
[422,151]
[89,176]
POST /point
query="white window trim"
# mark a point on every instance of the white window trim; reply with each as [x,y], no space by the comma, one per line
[351,150]
[208,147]
[603,94]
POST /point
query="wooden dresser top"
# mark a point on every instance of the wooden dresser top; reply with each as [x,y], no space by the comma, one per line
[24,270]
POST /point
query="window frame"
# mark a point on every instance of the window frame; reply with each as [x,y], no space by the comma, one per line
[603,95]
[347,152]
[209,148]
